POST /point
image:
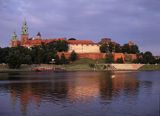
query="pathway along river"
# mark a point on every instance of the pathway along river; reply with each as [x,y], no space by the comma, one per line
[80,94]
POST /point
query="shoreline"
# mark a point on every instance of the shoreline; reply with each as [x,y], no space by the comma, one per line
[81,67]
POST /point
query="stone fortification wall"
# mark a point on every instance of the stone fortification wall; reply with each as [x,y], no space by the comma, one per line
[84,48]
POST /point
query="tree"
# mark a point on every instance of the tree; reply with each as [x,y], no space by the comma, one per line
[27,59]
[63,59]
[148,58]
[125,48]
[57,60]
[104,48]
[14,59]
[58,46]
[73,56]
[4,52]
[133,49]
[120,60]
[118,48]
[109,58]
[61,46]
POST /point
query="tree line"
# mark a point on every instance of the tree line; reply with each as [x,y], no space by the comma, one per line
[145,58]
[44,53]
[117,48]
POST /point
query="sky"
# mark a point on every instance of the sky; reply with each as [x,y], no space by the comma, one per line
[120,20]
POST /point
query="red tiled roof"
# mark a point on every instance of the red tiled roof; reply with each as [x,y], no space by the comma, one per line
[40,41]
[80,42]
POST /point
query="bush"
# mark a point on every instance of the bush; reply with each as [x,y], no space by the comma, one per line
[120,60]
[109,58]
[73,56]
[63,59]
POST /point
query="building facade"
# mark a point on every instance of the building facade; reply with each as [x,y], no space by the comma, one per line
[84,48]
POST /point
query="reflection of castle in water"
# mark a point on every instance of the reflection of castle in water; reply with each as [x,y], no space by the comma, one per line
[79,88]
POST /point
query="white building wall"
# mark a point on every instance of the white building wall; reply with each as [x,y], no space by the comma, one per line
[84,48]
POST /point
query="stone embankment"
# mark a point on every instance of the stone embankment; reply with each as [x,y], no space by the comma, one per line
[126,66]
[4,67]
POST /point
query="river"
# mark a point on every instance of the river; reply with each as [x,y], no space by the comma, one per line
[80,93]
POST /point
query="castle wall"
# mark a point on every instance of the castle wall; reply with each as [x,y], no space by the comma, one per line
[84,48]
[93,56]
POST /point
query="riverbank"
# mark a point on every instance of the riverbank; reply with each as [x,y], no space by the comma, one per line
[150,67]
[85,66]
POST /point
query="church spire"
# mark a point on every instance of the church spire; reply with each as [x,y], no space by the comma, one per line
[24,28]
[14,36]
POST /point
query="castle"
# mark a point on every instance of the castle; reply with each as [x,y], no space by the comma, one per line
[84,48]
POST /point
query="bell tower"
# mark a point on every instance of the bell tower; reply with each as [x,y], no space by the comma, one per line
[24,33]
[14,41]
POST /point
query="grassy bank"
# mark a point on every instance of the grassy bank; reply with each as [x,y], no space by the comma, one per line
[150,67]
[79,65]
[82,64]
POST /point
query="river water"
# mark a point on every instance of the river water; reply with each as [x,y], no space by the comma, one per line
[80,94]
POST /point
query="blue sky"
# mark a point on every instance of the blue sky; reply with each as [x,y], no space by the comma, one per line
[121,20]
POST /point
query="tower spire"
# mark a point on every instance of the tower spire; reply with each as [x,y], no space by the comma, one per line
[24,35]
[14,36]
[24,28]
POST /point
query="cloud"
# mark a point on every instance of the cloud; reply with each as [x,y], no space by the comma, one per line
[122,20]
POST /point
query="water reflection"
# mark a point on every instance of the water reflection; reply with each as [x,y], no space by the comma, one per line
[70,87]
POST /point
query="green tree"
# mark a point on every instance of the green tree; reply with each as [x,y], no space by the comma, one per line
[109,58]
[27,59]
[4,52]
[133,49]
[148,58]
[57,59]
[125,48]
[118,48]
[73,56]
[120,60]
[104,48]
[14,59]
[63,59]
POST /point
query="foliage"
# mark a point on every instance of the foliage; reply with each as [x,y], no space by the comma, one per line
[104,48]
[63,59]
[110,47]
[120,60]
[118,48]
[73,56]
[14,59]
[57,59]
[146,58]
[92,65]
[109,58]
[133,49]
[59,46]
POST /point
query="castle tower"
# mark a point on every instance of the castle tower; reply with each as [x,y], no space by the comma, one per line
[24,35]
[38,36]
[14,41]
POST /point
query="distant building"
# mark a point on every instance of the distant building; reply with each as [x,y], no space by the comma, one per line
[84,48]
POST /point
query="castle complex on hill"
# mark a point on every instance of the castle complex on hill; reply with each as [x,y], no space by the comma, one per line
[84,48]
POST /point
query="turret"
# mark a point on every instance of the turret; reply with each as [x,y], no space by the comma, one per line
[14,41]
[38,36]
